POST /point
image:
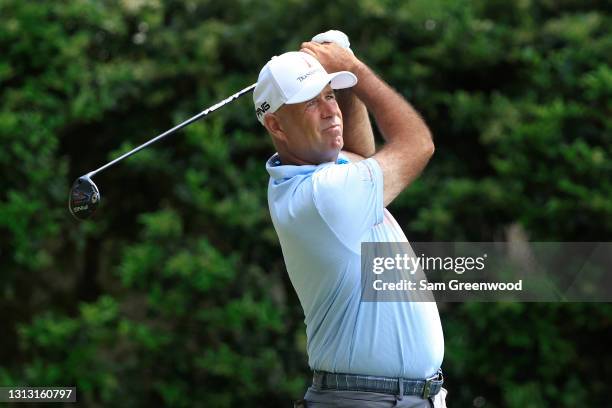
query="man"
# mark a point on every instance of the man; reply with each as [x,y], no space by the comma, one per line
[327,194]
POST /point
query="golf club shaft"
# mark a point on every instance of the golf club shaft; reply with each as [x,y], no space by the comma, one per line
[174,129]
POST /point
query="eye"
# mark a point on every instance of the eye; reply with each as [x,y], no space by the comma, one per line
[330,96]
[311,102]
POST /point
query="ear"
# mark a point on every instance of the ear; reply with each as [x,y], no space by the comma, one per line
[274,127]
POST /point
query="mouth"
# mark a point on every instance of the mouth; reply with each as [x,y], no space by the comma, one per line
[332,127]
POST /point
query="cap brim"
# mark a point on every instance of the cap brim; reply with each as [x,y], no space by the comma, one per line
[337,80]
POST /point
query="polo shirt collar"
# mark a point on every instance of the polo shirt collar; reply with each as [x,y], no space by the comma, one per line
[279,172]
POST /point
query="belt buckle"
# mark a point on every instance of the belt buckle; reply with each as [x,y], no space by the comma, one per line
[427,387]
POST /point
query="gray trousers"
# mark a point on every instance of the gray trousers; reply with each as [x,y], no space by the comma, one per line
[357,399]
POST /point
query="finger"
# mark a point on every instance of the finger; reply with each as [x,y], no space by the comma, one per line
[311,45]
[307,51]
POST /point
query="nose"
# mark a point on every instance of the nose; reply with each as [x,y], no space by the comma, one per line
[328,108]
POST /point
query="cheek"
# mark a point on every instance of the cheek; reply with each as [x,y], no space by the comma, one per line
[310,126]
[295,128]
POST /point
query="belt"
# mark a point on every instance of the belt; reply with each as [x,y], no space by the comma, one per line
[387,385]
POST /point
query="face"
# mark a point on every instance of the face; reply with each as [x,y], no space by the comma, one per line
[310,132]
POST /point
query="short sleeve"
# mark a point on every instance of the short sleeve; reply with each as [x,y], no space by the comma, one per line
[349,198]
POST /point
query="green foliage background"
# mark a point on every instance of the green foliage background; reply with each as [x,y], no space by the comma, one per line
[175,294]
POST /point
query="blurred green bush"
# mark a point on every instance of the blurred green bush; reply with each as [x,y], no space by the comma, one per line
[176,293]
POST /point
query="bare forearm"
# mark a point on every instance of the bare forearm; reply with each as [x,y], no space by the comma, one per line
[397,120]
[358,135]
[408,146]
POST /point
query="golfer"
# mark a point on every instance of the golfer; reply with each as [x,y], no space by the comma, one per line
[327,194]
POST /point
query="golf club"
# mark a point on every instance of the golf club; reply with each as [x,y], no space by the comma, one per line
[85,196]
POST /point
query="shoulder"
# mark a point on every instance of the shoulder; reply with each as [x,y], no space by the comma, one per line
[352,157]
[347,175]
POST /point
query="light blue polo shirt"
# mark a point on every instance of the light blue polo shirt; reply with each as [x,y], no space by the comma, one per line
[321,215]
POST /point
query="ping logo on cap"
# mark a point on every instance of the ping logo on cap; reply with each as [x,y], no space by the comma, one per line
[263,108]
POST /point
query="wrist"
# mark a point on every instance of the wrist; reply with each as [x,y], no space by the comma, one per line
[369,87]
[359,69]
[354,65]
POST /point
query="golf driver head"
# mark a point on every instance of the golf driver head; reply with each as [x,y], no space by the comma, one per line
[84,198]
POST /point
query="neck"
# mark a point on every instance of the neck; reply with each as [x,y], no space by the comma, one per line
[287,158]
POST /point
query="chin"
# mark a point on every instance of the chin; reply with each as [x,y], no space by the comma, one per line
[334,155]
[336,143]
[338,148]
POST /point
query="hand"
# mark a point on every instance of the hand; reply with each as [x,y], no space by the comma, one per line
[333,36]
[333,57]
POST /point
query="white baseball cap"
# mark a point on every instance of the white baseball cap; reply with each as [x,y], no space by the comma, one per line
[294,77]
